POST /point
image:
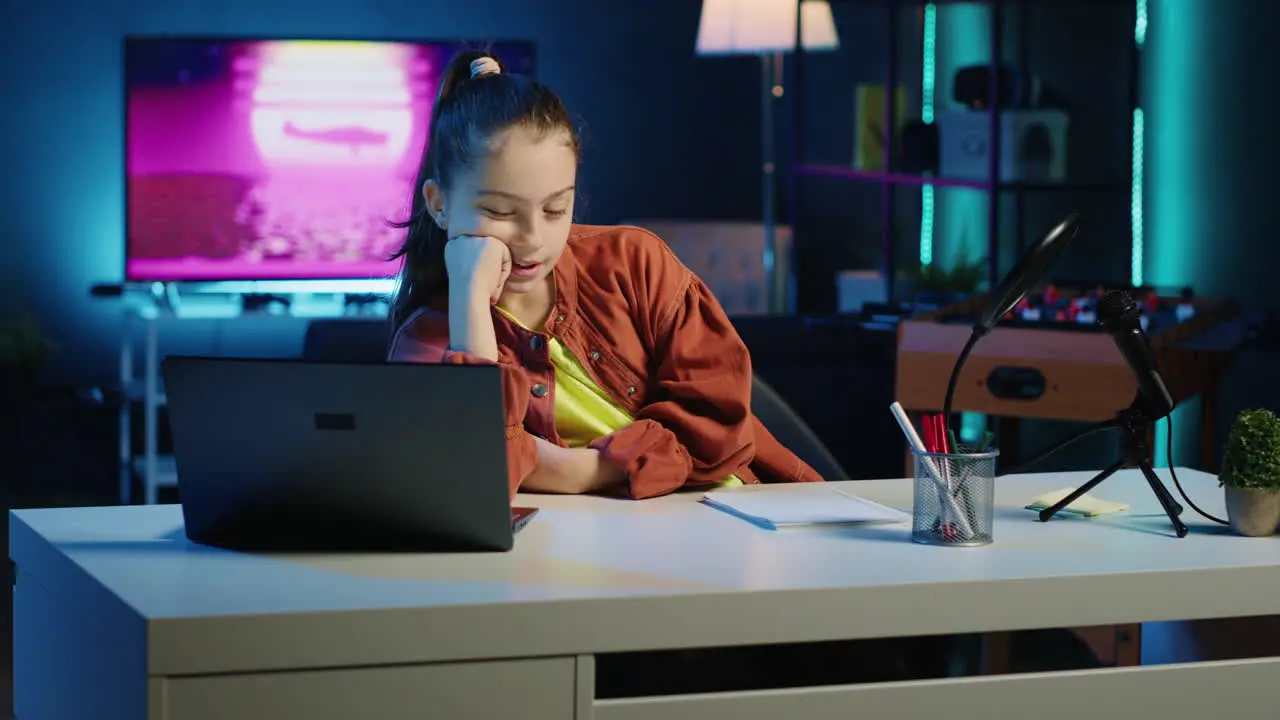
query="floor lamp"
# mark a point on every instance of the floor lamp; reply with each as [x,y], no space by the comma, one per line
[767,28]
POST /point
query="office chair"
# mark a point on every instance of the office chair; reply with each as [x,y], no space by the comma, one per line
[360,340]
[792,431]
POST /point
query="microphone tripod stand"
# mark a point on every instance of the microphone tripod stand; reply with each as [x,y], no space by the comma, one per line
[1133,425]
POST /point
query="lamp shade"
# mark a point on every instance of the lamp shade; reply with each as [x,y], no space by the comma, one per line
[753,27]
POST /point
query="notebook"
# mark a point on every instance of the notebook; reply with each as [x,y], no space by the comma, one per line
[774,506]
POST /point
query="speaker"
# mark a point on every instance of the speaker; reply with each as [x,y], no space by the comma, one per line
[1033,145]
[972,88]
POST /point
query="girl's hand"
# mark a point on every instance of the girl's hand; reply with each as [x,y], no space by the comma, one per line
[572,471]
[479,265]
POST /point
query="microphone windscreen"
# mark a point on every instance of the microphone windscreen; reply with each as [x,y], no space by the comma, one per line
[1116,305]
[1118,312]
[1029,270]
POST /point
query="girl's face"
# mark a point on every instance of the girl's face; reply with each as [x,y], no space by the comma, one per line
[521,194]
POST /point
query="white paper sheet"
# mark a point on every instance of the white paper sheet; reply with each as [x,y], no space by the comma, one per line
[800,504]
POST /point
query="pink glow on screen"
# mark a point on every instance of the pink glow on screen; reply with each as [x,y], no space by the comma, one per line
[332,104]
[286,163]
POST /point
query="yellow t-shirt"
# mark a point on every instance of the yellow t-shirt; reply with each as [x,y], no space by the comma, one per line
[584,412]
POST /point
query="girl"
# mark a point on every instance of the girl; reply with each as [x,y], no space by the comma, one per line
[620,371]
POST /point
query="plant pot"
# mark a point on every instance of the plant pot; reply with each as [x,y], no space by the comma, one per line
[1253,512]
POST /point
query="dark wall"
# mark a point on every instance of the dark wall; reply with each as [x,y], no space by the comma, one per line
[668,134]
[1208,83]
[1085,52]
[632,77]
[840,220]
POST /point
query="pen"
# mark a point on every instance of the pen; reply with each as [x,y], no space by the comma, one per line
[913,439]
[965,489]
[946,446]
[987,437]
[932,431]
[959,486]
[929,429]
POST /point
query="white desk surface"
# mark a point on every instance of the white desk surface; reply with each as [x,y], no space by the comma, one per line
[599,575]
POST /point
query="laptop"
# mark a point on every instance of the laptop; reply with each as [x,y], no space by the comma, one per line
[290,455]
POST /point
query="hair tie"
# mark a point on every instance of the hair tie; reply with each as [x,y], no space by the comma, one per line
[484,66]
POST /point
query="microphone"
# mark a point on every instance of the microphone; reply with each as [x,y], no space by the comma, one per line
[1031,269]
[1119,316]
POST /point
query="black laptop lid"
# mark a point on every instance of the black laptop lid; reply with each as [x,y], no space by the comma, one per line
[292,454]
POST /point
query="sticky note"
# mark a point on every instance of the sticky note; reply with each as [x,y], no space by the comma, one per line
[1084,505]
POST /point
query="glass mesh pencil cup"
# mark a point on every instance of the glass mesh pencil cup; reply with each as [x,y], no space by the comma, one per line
[954,498]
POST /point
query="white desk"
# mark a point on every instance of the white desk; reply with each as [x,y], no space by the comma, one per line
[117,616]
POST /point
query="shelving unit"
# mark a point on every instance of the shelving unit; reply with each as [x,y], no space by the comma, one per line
[889,179]
[154,305]
[154,470]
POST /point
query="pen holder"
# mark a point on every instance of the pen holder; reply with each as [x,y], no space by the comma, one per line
[954,498]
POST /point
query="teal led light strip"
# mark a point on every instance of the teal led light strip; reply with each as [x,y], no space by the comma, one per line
[1136,209]
[930,65]
[1135,201]
[928,84]
[1140,27]
[972,425]
[1138,219]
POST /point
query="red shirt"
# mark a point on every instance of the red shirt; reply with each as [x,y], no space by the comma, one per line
[652,336]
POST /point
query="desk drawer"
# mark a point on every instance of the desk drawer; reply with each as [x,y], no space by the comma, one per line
[540,688]
[1232,688]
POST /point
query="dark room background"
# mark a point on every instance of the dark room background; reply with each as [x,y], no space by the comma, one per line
[669,135]
[633,79]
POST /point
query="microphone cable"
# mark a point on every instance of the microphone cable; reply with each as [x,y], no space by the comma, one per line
[1107,425]
[1168,451]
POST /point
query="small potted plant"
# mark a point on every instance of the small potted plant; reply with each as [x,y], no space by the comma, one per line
[933,284]
[1251,473]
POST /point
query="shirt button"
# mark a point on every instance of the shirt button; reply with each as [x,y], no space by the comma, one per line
[595,354]
[539,390]
[536,342]
[631,390]
[559,318]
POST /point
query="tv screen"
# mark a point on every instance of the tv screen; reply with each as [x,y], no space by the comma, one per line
[276,159]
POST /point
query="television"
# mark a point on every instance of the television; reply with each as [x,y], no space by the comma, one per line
[276,159]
